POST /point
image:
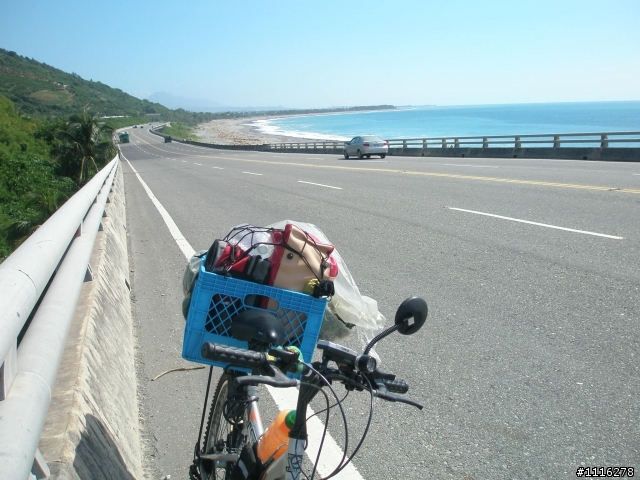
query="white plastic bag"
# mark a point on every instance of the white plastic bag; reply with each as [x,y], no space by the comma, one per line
[347,302]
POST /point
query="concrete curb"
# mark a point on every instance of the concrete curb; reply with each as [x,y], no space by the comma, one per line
[91,430]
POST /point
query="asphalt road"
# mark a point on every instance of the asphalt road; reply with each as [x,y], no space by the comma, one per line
[528,363]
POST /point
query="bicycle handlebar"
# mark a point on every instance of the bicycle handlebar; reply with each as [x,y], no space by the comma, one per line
[233,356]
[386,385]
[396,386]
[248,359]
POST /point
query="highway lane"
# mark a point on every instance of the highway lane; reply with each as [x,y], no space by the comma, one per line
[527,365]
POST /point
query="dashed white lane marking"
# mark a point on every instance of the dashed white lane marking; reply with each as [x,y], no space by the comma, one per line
[218,168]
[536,223]
[198,164]
[251,173]
[475,166]
[320,185]
[184,161]
[284,397]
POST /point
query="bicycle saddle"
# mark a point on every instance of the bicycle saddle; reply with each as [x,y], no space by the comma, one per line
[259,326]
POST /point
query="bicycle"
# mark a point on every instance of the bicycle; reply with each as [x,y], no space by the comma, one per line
[234,423]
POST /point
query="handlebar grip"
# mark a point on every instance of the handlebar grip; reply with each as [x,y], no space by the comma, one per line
[233,356]
[396,386]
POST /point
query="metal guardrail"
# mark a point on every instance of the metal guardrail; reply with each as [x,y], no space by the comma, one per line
[557,140]
[40,285]
[308,145]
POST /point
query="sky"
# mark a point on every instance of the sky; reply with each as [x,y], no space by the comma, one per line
[326,53]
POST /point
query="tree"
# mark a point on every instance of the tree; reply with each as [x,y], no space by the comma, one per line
[85,146]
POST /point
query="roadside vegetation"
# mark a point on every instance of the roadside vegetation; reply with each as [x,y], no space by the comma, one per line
[179,130]
[43,163]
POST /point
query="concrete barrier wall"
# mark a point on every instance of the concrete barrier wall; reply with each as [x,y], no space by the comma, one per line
[91,430]
[612,154]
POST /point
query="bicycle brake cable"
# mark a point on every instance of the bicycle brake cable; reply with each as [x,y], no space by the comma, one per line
[324,433]
[366,430]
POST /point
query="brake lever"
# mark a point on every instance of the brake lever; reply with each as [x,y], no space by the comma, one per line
[274,378]
[392,397]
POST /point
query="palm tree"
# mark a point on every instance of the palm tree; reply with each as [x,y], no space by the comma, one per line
[86,146]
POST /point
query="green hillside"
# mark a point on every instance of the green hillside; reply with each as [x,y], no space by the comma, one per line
[40,90]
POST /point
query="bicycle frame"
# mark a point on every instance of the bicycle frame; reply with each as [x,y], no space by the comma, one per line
[286,466]
[289,466]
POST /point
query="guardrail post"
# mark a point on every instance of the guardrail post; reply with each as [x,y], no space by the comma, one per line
[556,141]
[8,371]
[518,143]
[444,143]
[404,144]
[424,144]
[40,469]
[485,142]
[604,141]
[456,143]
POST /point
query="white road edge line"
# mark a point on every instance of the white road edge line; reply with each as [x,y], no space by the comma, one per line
[284,397]
[184,246]
[320,185]
[331,451]
[538,224]
[251,173]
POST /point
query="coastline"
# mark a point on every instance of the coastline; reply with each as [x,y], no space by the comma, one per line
[243,131]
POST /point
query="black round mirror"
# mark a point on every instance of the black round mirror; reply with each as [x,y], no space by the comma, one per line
[411,315]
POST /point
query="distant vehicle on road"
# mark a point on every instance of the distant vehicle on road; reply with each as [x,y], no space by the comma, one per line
[167,139]
[124,137]
[365,146]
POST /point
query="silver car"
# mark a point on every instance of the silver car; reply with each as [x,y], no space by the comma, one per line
[366,146]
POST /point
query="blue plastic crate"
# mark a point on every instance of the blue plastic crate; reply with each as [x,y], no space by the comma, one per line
[217,299]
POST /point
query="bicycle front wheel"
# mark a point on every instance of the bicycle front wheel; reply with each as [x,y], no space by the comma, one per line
[224,433]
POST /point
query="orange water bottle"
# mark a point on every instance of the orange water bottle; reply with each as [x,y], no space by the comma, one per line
[275,441]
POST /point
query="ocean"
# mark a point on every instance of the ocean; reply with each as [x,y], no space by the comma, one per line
[476,120]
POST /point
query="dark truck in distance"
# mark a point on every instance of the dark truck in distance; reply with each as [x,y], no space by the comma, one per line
[124,137]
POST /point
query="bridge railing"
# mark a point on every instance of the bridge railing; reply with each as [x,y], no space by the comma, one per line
[40,285]
[555,140]
[323,145]
[411,146]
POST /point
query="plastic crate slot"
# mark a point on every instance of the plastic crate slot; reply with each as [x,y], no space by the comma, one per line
[222,309]
[259,300]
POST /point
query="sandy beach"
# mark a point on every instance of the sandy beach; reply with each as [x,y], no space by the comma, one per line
[241,131]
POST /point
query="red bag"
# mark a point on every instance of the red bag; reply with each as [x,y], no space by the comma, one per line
[289,258]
